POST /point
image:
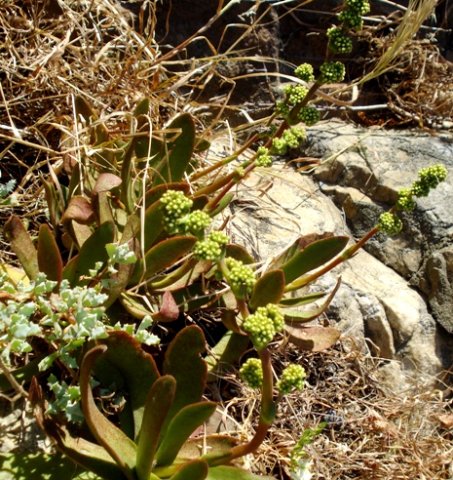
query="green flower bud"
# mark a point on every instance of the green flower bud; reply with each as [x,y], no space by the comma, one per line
[212,247]
[405,200]
[362,7]
[282,108]
[260,328]
[194,222]
[240,277]
[305,72]
[433,175]
[339,42]
[174,206]
[263,159]
[292,378]
[252,373]
[309,115]
[279,146]
[390,224]
[295,94]
[332,72]
[351,19]
[274,313]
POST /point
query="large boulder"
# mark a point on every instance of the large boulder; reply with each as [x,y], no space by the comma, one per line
[376,304]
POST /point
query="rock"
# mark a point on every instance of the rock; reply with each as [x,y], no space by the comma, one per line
[364,179]
[374,304]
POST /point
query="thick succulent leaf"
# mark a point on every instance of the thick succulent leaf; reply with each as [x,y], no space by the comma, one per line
[239,253]
[210,447]
[92,251]
[300,316]
[102,202]
[80,233]
[180,150]
[53,199]
[142,107]
[153,224]
[126,177]
[233,473]
[184,363]
[183,424]
[166,253]
[268,289]
[129,367]
[313,256]
[134,307]
[120,447]
[304,300]
[227,351]
[169,311]
[83,452]
[83,108]
[158,403]
[49,257]
[196,470]
[120,281]
[106,182]
[27,466]
[22,246]
[79,209]
[313,338]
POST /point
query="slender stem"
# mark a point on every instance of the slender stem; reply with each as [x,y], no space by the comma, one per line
[348,253]
[266,417]
[225,161]
[14,383]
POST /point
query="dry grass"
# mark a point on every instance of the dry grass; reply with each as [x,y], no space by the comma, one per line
[53,51]
[371,434]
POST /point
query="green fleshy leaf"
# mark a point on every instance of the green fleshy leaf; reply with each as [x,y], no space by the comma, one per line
[120,447]
[153,224]
[233,473]
[49,257]
[92,251]
[313,256]
[22,246]
[79,209]
[104,208]
[300,316]
[222,204]
[239,253]
[183,424]
[268,289]
[304,300]
[180,150]
[166,253]
[196,470]
[129,367]
[142,107]
[158,403]
[227,351]
[185,351]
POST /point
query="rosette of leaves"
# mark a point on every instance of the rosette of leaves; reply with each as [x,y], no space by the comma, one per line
[156,434]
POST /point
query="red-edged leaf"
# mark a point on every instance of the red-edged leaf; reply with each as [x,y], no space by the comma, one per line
[169,310]
[49,257]
[268,289]
[183,424]
[80,210]
[186,349]
[158,403]
[313,338]
[22,246]
[106,182]
[225,472]
[120,447]
[196,470]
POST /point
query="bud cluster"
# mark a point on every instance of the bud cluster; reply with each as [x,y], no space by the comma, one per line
[351,16]
[251,373]
[194,223]
[263,325]
[240,277]
[309,115]
[305,72]
[290,138]
[212,247]
[292,378]
[390,223]
[295,94]
[174,206]
[263,159]
[339,42]
[332,72]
